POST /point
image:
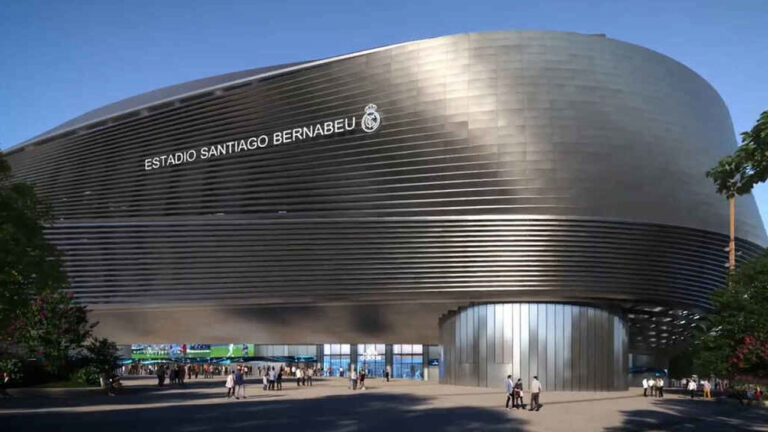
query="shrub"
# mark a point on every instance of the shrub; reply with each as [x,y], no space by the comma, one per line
[87,375]
[14,369]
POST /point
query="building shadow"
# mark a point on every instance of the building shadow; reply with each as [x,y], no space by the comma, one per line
[679,413]
[357,411]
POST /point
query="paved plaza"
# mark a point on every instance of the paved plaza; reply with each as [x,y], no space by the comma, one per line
[330,406]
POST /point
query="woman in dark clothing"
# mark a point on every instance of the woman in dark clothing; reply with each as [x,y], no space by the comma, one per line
[518,399]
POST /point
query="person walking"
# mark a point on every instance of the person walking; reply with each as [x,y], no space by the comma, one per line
[353,379]
[510,387]
[298,376]
[230,384]
[652,386]
[518,402]
[310,372]
[707,389]
[660,387]
[362,379]
[536,389]
[160,376]
[239,384]
[265,380]
[4,384]
[279,382]
[388,372]
[645,387]
[692,388]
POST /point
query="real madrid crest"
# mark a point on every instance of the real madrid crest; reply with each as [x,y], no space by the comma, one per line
[371,119]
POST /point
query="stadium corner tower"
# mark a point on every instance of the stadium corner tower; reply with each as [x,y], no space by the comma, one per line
[533,202]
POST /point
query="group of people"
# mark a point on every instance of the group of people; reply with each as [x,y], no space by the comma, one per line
[357,379]
[235,383]
[515,393]
[176,374]
[655,385]
[303,375]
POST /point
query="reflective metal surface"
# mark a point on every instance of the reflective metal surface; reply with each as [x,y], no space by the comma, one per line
[508,167]
[569,347]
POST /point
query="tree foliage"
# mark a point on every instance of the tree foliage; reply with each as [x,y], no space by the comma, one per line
[49,327]
[738,173]
[102,354]
[29,265]
[733,339]
[38,315]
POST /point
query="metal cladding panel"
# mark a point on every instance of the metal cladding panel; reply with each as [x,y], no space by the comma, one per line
[508,166]
[595,374]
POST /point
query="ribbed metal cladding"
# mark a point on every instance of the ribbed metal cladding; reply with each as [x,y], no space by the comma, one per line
[508,167]
[280,261]
[569,347]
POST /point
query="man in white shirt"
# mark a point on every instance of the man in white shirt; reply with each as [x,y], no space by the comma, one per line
[692,387]
[651,386]
[510,386]
[645,387]
[535,390]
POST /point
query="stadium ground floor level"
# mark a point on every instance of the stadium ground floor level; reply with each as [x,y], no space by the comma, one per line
[569,347]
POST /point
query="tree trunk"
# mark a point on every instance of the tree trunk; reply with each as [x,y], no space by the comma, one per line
[732,243]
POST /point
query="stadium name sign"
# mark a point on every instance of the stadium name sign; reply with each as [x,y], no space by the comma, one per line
[370,121]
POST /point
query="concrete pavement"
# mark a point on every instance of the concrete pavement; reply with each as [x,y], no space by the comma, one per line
[330,406]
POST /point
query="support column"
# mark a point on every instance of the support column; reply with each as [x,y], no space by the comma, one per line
[569,347]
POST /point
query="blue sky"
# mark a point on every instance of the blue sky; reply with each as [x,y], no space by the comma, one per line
[61,58]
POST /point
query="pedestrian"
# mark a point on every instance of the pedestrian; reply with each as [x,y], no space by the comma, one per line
[230,384]
[353,379]
[341,371]
[518,402]
[310,372]
[510,388]
[388,372]
[297,372]
[362,379]
[265,380]
[160,376]
[4,384]
[652,386]
[660,387]
[239,384]
[280,378]
[536,389]
[645,387]
[272,378]
[707,389]
[692,388]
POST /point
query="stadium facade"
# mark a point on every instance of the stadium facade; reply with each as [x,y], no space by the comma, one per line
[516,202]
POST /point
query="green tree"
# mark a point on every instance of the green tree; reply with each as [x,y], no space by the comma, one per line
[102,355]
[49,327]
[733,340]
[37,312]
[738,173]
[29,265]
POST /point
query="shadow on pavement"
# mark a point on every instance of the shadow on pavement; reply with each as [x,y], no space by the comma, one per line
[353,412]
[685,414]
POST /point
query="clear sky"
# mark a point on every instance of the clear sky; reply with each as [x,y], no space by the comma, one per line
[59,58]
